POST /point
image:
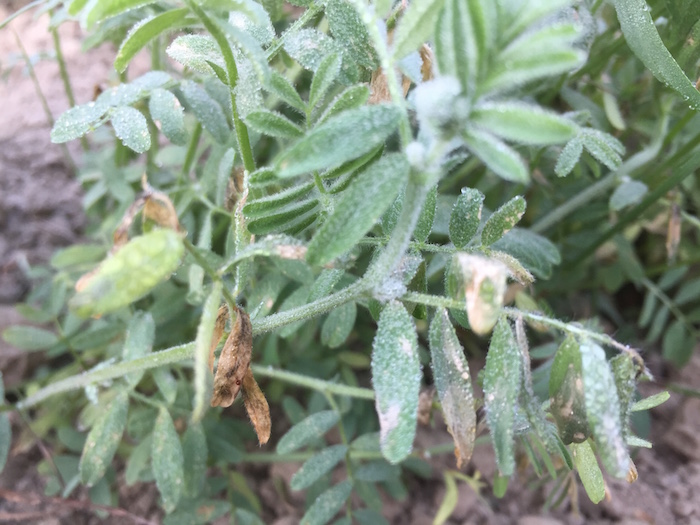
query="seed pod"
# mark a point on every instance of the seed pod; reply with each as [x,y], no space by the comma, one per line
[233,362]
[257,407]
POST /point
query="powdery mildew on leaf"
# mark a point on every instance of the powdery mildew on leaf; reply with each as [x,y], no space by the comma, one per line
[603,409]
[396,376]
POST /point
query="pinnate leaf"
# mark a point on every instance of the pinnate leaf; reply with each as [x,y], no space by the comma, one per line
[344,137]
[103,439]
[29,338]
[603,409]
[77,121]
[272,124]
[359,207]
[568,157]
[503,220]
[465,217]
[500,158]
[502,380]
[523,123]
[324,77]
[310,428]
[166,109]
[589,471]
[415,27]
[338,325]
[453,384]
[396,377]
[327,504]
[317,466]
[131,127]
[167,460]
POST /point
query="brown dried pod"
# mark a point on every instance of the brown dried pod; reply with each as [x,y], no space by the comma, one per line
[219,327]
[257,407]
[233,362]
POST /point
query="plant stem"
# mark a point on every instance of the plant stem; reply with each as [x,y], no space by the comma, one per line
[325,387]
[42,98]
[65,77]
[232,73]
[191,152]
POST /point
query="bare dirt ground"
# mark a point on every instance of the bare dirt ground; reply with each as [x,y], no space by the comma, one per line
[40,210]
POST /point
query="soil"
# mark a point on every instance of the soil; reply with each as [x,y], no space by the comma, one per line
[40,210]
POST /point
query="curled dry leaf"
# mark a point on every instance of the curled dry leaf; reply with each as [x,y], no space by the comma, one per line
[121,234]
[673,233]
[219,327]
[158,208]
[257,407]
[427,58]
[233,362]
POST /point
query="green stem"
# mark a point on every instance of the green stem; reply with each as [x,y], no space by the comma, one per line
[191,152]
[42,98]
[325,387]
[232,73]
[29,6]
[65,77]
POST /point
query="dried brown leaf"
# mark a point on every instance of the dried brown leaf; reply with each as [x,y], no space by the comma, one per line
[257,407]
[233,362]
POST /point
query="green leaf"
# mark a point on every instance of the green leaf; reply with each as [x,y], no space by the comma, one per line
[29,338]
[327,504]
[147,30]
[344,137]
[194,454]
[166,110]
[338,325]
[131,127]
[465,217]
[317,466]
[568,405]
[502,380]
[427,216]
[278,85]
[255,208]
[103,439]
[535,252]
[678,344]
[77,121]
[130,274]
[456,48]
[604,148]
[325,283]
[643,39]
[378,470]
[76,255]
[535,55]
[415,27]
[207,111]
[203,380]
[453,384]
[138,460]
[351,33]
[634,441]
[272,124]
[624,372]
[569,157]
[603,409]
[503,220]
[359,207]
[5,429]
[196,52]
[285,218]
[167,460]
[325,76]
[589,471]
[140,334]
[396,377]
[109,8]
[500,158]
[353,97]
[523,123]
[650,402]
[309,429]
